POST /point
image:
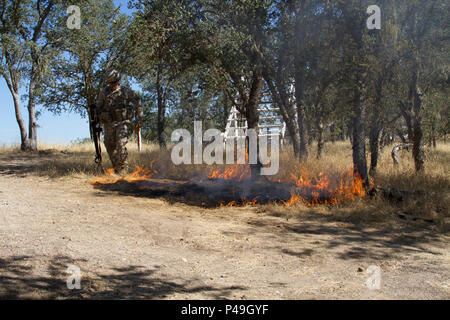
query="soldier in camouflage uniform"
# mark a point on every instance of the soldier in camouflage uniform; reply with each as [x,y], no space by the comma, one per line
[116,108]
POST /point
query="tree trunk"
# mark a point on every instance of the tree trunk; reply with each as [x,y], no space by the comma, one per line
[381,143]
[32,124]
[374,142]
[350,131]
[333,133]
[301,117]
[320,140]
[226,111]
[24,141]
[32,127]
[358,126]
[345,131]
[417,104]
[161,121]
[433,136]
[342,133]
[27,143]
[376,124]
[418,153]
[252,116]
[310,134]
[295,137]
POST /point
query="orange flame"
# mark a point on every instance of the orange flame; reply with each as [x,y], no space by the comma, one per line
[140,174]
[241,203]
[349,187]
[310,190]
[319,187]
[293,200]
[237,172]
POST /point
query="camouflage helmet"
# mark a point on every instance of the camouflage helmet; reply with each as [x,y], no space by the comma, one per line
[112,76]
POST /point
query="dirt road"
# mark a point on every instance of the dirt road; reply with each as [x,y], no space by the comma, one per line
[130,247]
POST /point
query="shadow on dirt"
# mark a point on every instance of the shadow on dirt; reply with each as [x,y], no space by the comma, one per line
[352,234]
[130,282]
[352,241]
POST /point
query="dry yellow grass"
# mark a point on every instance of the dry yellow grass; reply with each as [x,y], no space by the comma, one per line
[76,160]
[428,193]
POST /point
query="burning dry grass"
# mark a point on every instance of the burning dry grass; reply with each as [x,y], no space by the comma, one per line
[426,195]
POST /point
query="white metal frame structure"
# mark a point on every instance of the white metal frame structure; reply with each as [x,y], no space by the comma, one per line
[270,124]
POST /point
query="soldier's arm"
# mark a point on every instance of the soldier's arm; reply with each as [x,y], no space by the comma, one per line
[100,100]
[100,106]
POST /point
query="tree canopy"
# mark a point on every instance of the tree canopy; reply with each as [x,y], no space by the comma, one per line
[331,76]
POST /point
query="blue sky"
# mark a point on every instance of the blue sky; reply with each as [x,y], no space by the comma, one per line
[54,129]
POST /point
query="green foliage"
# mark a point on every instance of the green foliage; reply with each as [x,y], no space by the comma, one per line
[194,59]
[77,69]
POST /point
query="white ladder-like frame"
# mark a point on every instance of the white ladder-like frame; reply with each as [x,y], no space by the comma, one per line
[237,124]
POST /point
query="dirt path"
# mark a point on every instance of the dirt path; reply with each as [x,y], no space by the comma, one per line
[128,247]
